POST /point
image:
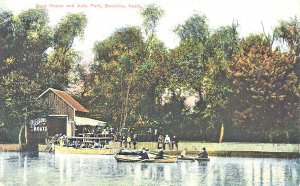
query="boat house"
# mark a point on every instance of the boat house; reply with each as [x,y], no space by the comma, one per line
[65,115]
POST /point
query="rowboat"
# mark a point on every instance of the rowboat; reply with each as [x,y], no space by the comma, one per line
[72,150]
[193,158]
[134,158]
[166,160]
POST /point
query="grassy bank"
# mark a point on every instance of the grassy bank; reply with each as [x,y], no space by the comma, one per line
[214,149]
[241,154]
[233,149]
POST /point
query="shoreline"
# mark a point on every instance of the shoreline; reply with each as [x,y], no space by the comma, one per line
[235,149]
[228,149]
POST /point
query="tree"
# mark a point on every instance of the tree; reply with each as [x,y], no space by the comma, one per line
[154,70]
[199,67]
[221,48]
[26,69]
[24,41]
[151,15]
[195,28]
[114,78]
[63,59]
[265,87]
[126,72]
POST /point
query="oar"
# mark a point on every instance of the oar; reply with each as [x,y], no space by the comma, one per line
[166,156]
[145,160]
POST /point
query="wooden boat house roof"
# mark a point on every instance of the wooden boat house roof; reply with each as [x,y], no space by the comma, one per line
[66,98]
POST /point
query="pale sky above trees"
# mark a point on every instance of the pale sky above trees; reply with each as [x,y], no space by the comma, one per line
[102,22]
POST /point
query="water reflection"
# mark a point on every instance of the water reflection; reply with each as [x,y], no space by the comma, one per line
[104,170]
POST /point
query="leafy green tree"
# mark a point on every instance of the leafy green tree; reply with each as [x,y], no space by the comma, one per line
[126,72]
[151,15]
[63,58]
[26,69]
[194,28]
[154,71]
[24,41]
[114,81]
[199,66]
[221,48]
[288,33]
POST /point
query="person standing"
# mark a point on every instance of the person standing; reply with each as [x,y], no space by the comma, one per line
[124,141]
[129,141]
[134,141]
[167,141]
[160,142]
[175,142]
[149,134]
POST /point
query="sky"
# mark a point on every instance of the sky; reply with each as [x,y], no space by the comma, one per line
[102,22]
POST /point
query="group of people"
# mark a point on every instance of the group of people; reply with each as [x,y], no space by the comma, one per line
[202,154]
[144,154]
[62,140]
[126,141]
[172,142]
[160,155]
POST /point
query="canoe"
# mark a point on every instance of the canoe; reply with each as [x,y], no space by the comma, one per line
[193,158]
[166,160]
[129,152]
[134,158]
[96,151]
[127,158]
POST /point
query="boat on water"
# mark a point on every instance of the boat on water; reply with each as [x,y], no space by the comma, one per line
[84,145]
[95,151]
[193,158]
[134,156]
[130,158]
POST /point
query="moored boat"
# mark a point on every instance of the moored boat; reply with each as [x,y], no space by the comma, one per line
[193,158]
[136,158]
[166,160]
[95,151]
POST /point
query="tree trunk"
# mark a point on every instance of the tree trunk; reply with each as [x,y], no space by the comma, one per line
[125,110]
[287,136]
[20,137]
[221,133]
[26,134]
[270,137]
[121,115]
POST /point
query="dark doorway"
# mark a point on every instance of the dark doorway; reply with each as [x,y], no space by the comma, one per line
[56,125]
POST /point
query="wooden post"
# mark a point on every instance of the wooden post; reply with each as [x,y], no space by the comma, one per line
[26,128]
[20,137]
[31,144]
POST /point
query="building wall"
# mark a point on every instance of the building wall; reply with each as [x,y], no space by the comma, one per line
[58,106]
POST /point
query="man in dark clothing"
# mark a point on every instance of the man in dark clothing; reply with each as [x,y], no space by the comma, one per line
[134,141]
[144,154]
[160,154]
[174,141]
[203,153]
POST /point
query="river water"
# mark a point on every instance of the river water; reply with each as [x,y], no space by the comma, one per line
[85,170]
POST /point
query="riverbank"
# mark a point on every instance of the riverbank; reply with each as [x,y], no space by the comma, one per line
[233,149]
[228,149]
